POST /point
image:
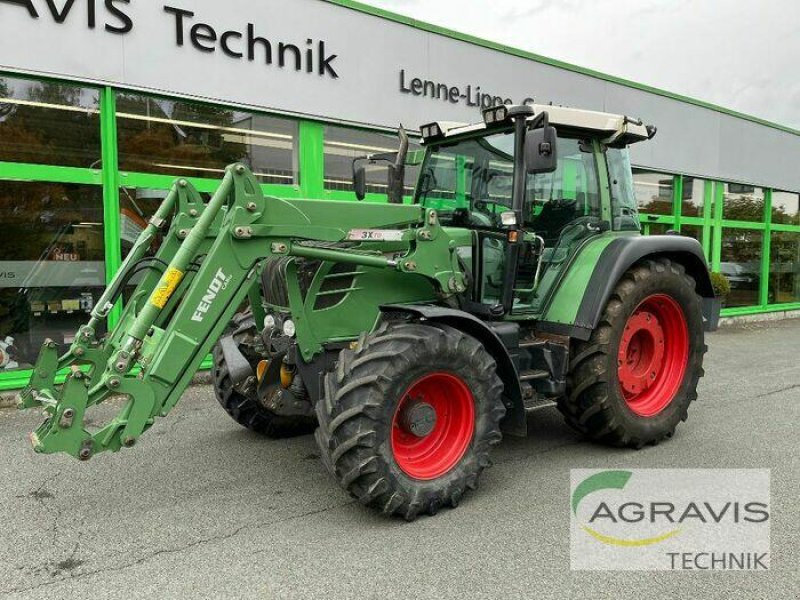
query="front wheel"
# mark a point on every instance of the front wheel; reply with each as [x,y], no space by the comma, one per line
[632,383]
[408,417]
[245,407]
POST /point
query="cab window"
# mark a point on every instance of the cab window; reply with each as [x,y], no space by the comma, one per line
[470,183]
[624,209]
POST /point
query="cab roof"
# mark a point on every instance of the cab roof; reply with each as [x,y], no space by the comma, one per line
[613,130]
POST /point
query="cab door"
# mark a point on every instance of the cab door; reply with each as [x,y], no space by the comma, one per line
[562,209]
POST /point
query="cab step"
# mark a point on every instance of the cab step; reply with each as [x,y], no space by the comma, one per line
[538,403]
[534,375]
[534,343]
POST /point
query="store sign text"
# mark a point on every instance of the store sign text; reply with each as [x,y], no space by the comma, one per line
[467,95]
[310,57]
[118,20]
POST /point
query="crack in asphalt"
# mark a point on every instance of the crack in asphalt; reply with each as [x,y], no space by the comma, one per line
[164,551]
[779,391]
[40,494]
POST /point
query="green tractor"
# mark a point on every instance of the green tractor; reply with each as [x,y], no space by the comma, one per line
[410,335]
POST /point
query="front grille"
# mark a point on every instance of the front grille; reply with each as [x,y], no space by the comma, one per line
[339,282]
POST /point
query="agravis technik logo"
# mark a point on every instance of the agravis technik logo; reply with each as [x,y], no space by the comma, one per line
[679,519]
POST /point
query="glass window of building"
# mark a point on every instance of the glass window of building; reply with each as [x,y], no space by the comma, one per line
[693,197]
[785,208]
[742,202]
[654,192]
[693,231]
[52,264]
[49,123]
[343,145]
[136,207]
[784,276]
[741,265]
[174,137]
[656,228]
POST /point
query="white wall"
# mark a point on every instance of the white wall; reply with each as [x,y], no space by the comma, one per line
[371,52]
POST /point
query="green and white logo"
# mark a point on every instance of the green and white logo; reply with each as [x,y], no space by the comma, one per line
[670,519]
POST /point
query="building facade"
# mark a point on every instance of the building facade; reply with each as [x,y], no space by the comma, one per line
[104,104]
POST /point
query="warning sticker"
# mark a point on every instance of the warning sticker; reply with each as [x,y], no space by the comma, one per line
[166,287]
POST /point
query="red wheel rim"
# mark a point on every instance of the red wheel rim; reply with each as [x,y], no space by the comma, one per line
[653,355]
[441,408]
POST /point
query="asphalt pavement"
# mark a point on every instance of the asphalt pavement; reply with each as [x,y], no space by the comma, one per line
[201,508]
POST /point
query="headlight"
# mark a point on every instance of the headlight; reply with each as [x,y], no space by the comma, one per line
[289,328]
[269,322]
[508,218]
[495,114]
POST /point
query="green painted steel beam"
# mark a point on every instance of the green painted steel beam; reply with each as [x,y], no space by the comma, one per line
[766,249]
[774,227]
[740,311]
[752,225]
[312,159]
[30,172]
[709,236]
[716,251]
[111,209]
[341,195]
[165,182]
[651,218]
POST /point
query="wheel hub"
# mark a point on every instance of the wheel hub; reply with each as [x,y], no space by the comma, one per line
[433,425]
[653,355]
[641,353]
[418,418]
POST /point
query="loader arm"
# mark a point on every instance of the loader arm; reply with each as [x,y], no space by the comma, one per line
[183,205]
[174,319]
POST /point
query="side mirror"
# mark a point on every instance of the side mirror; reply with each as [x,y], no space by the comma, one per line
[541,153]
[360,181]
[396,162]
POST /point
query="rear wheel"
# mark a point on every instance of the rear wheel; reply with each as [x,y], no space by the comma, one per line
[243,404]
[408,418]
[633,381]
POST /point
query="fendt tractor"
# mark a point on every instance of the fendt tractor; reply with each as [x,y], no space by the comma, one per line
[410,334]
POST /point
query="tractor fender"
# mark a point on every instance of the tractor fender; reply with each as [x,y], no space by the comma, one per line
[514,423]
[619,256]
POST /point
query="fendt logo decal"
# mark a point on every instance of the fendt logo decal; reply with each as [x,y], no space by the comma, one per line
[219,283]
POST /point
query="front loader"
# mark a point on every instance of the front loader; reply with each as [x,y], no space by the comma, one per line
[410,335]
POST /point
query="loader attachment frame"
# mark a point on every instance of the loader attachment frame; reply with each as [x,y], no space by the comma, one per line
[206,266]
[90,352]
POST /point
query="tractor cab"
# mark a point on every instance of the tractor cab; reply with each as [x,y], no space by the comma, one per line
[572,177]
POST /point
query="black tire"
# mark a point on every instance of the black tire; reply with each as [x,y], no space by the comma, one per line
[246,409]
[595,404]
[361,396]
